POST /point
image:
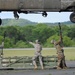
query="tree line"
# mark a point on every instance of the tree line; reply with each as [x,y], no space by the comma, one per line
[18,37]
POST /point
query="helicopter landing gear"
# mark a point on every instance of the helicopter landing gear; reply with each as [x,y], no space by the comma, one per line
[16,15]
[0,21]
[44,14]
[72,17]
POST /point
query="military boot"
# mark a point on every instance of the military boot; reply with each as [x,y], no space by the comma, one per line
[35,67]
[59,68]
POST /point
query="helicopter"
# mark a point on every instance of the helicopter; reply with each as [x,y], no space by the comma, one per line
[38,7]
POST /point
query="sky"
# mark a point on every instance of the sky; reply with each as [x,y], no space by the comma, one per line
[51,18]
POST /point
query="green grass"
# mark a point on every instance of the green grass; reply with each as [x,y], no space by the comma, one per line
[69,53]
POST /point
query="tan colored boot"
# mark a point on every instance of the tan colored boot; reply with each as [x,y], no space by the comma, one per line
[65,67]
[35,67]
[59,68]
[42,68]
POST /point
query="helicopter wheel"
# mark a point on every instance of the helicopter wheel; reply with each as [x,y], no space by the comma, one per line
[44,14]
[72,17]
[0,21]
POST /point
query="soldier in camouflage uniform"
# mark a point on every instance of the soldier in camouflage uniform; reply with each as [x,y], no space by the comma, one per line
[1,48]
[60,53]
[38,49]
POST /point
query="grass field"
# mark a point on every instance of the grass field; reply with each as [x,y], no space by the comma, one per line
[69,53]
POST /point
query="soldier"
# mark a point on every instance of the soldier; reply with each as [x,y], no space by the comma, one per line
[1,48]
[38,49]
[60,53]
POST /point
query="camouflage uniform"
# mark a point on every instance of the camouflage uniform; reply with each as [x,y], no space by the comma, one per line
[1,48]
[60,54]
[38,49]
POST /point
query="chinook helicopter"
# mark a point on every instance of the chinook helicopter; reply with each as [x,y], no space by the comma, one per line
[38,6]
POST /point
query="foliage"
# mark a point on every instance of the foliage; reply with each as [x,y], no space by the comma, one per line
[71,32]
[16,36]
[48,43]
[7,43]
[67,41]
[21,44]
